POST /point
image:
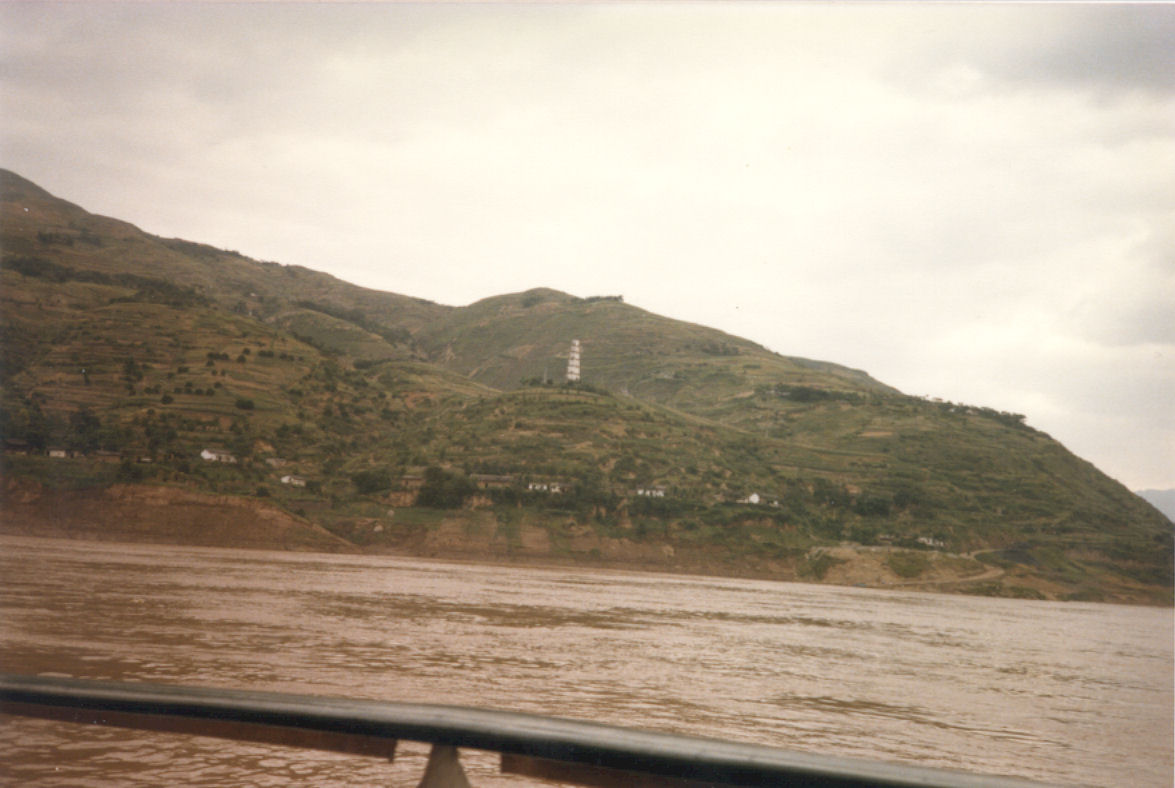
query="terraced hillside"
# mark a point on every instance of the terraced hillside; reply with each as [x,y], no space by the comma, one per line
[399,424]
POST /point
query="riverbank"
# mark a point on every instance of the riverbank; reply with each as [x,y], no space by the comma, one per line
[169,515]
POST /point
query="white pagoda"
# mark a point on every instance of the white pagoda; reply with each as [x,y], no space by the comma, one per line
[573,362]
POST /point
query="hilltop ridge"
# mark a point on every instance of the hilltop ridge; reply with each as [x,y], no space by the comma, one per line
[395,423]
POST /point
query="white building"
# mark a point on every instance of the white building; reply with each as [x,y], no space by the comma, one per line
[217,455]
[573,362]
[293,481]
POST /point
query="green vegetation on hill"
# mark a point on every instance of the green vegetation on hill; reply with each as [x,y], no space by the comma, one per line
[400,417]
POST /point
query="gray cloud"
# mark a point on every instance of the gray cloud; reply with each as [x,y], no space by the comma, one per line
[1111,47]
[1111,50]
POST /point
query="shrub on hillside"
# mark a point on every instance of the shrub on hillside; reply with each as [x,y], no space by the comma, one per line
[907,564]
[873,505]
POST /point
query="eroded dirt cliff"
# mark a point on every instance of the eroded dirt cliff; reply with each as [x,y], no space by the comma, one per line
[168,515]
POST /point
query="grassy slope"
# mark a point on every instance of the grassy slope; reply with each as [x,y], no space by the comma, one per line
[37,224]
[339,380]
[506,339]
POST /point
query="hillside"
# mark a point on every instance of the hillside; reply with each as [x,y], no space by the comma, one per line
[399,424]
[503,340]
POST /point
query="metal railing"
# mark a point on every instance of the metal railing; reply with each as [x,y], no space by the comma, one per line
[581,753]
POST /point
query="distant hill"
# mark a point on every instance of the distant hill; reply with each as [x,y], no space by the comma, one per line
[400,424]
[1163,500]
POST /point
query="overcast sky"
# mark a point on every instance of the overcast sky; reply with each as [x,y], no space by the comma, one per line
[974,202]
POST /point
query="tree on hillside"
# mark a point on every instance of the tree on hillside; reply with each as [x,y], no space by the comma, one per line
[160,433]
[84,431]
[131,371]
[444,490]
[242,440]
[372,481]
[26,422]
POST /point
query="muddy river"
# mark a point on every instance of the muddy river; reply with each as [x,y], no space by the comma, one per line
[1069,693]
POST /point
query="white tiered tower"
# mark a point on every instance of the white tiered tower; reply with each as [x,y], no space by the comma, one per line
[573,362]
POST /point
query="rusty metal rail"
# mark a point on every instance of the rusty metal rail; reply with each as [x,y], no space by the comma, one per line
[580,753]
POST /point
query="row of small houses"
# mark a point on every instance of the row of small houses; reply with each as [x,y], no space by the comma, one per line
[489,481]
[18,446]
[483,481]
[220,455]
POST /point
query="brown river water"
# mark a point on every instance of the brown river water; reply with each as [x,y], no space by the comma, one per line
[1073,693]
